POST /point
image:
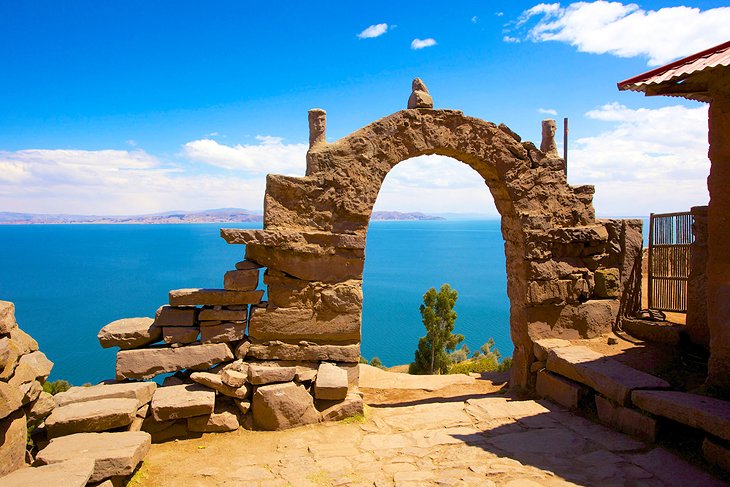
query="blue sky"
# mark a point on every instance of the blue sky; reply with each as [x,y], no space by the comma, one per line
[137,106]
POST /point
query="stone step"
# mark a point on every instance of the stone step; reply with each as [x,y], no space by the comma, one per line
[213,297]
[114,454]
[702,412]
[149,362]
[72,473]
[91,416]
[603,374]
[331,382]
[141,391]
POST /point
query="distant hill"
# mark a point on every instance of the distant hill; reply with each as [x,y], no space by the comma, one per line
[396,215]
[220,215]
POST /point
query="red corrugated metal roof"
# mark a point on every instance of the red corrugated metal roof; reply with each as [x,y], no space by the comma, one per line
[671,77]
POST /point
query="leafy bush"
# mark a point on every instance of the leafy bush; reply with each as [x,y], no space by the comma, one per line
[56,386]
[375,362]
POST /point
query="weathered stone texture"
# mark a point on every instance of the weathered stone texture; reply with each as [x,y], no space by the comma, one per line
[603,374]
[129,333]
[696,326]
[239,280]
[224,418]
[180,334]
[304,352]
[331,382]
[213,297]
[147,363]
[172,316]
[13,438]
[141,391]
[262,374]
[212,314]
[227,331]
[7,317]
[114,454]
[626,420]
[558,389]
[585,320]
[282,406]
[71,473]
[91,416]
[183,401]
[295,324]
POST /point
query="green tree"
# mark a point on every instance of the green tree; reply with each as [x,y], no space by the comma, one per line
[437,312]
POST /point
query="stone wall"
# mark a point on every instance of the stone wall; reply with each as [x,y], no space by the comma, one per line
[697,328]
[23,403]
[566,270]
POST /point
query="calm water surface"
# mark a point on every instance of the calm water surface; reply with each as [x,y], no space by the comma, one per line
[68,281]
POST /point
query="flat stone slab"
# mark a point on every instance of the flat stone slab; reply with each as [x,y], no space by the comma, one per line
[223,314]
[114,454]
[141,391]
[331,382]
[91,416]
[213,297]
[706,413]
[215,382]
[129,333]
[171,316]
[262,374]
[182,401]
[71,473]
[604,374]
[304,352]
[283,406]
[223,332]
[147,363]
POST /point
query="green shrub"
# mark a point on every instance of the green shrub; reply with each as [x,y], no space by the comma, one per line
[375,362]
[56,386]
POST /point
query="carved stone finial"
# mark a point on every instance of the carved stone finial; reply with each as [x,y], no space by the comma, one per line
[317,127]
[548,145]
[420,98]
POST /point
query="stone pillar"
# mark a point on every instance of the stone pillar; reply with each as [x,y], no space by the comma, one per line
[547,145]
[697,283]
[718,244]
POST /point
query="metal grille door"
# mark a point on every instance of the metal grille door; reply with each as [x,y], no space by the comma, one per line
[670,236]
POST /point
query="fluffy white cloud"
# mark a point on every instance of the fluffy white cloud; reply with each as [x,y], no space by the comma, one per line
[513,40]
[375,30]
[651,160]
[435,184]
[547,111]
[115,182]
[626,30]
[270,155]
[421,43]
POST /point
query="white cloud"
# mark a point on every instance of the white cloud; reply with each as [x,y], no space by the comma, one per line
[122,182]
[626,30]
[474,19]
[435,184]
[651,160]
[421,43]
[511,39]
[375,30]
[499,14]
[271,155]
[547,111]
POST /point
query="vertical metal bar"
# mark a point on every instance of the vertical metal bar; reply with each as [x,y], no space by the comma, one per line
[565,144]
[650,278]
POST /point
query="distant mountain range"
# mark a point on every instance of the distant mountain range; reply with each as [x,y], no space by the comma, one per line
[220,215]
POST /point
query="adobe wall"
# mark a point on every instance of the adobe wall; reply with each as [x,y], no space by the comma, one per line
[566,270]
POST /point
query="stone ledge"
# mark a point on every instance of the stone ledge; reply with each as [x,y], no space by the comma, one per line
[293,240]
[603,374]
[213,297]
[706,413]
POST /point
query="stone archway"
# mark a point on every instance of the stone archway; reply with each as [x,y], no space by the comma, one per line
[565,269]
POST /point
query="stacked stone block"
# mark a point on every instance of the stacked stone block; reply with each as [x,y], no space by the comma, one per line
[227,372]
[66,427]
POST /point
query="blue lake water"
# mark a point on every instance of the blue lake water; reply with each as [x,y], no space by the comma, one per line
[67,281]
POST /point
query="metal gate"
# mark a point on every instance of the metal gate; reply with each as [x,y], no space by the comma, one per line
[670,236]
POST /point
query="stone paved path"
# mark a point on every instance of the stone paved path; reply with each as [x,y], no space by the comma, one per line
[487,441]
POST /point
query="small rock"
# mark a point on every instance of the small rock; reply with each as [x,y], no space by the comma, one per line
[331,382]
[224,418]
[338,410]
[214,381]
[261,374]
[7,317]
